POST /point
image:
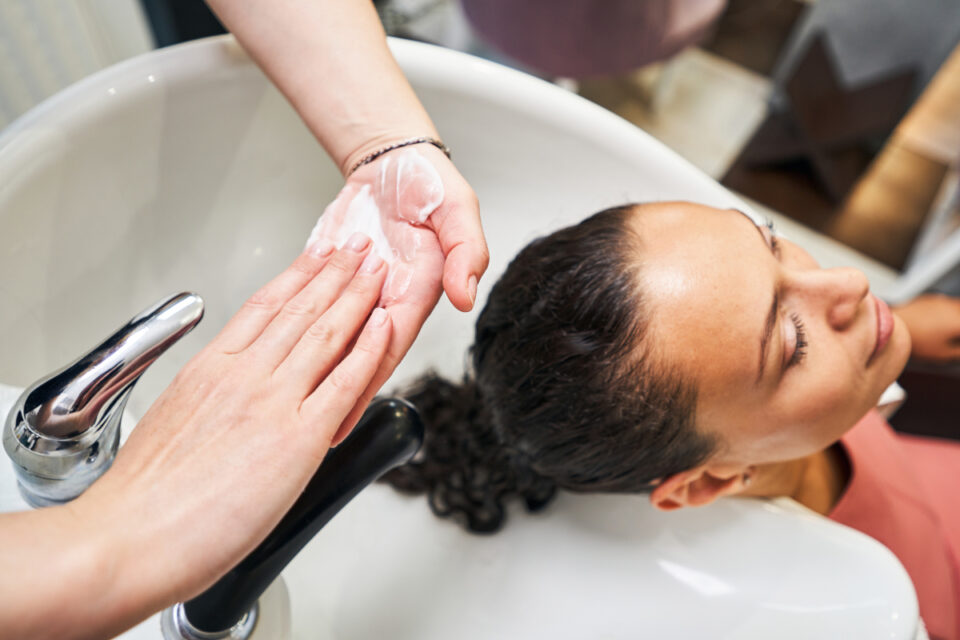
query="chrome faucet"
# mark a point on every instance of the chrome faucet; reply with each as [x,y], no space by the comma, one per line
[64,431]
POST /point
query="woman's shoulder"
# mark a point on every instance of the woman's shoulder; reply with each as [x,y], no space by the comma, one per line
[897,494]
[880,465]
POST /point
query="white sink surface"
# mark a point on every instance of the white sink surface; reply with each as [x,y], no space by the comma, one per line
[186,170]
[10,498]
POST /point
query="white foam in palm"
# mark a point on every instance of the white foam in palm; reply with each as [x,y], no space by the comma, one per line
[390,201]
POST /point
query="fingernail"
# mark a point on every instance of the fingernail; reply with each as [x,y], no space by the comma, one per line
[378,317]
[472,289]
[322,248]
[357,242]
[371,263]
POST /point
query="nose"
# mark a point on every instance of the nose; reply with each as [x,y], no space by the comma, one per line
[845,289]
[838,293]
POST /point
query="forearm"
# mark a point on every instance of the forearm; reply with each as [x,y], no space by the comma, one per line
[330,59]
[60,580]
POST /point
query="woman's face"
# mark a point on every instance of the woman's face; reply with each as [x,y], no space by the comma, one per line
[785,356]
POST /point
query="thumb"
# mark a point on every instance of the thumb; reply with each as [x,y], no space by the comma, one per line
[462,269]
[465,253]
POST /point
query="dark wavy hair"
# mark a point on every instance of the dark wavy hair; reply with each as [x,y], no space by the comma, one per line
[564,391]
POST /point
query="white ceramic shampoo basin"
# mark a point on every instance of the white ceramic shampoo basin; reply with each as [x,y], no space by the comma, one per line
[185,170]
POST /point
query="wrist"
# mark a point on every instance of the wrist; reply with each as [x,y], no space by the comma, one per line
[436,143]
[122,550]
[373,144]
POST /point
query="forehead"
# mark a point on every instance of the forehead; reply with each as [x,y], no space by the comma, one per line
[708,282]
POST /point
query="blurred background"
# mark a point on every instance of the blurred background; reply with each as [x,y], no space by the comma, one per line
[843,115]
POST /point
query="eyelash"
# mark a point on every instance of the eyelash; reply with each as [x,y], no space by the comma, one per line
[801,349]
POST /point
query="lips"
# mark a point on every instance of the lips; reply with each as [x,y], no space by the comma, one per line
[884,326]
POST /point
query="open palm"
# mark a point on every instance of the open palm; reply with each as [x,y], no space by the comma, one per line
[423,219]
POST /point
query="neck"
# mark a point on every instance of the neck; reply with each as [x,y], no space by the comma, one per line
[816,482]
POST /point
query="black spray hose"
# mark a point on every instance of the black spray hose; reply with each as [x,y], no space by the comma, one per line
[389,434]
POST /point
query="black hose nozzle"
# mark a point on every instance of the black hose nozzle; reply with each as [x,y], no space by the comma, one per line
[388,435]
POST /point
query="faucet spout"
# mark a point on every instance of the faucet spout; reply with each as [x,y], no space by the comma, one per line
[64,430]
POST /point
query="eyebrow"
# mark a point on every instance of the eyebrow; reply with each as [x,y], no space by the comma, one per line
[771,315]
[765,338]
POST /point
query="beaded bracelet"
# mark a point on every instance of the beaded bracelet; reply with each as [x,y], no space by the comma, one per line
[367,159]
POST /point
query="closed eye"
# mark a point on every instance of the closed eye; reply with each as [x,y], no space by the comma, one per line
[800,349]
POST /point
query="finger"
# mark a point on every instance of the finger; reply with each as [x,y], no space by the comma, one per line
[348,423]
[465,250]
[407,320]
[260,308]
[323,344]
[338,393]
[302,310]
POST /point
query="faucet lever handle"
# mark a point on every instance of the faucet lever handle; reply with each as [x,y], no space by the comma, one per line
[69,402]
[63,431]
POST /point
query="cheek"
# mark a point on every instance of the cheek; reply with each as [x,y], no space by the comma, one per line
[823,399]
[829,404]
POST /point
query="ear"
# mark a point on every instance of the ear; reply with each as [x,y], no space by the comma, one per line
[698,487]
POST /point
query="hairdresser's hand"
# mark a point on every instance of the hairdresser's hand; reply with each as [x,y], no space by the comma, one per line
[934,325]
[431,222]
[422,201]
[227,448]
[456,223]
